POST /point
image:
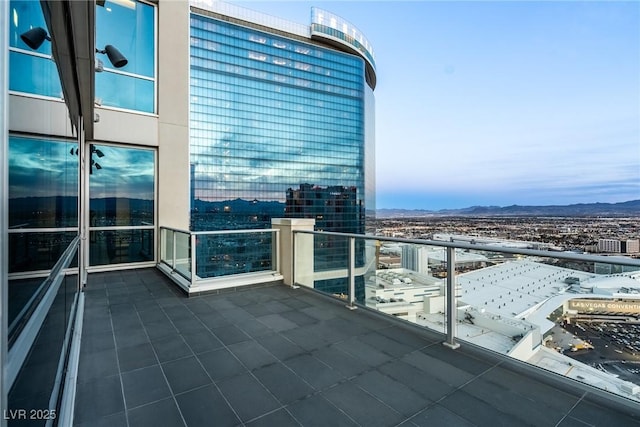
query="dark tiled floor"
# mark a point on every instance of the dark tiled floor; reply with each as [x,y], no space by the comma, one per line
[274,356]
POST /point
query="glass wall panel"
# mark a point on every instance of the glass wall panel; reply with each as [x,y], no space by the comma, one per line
[43,183]
[121,186]
[25,15]
[120,246]
[34,251]
[132,94]
[33,74]
[130,27]
[122,196]
[31,71]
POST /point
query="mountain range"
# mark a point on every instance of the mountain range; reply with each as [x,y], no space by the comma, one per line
[630,208]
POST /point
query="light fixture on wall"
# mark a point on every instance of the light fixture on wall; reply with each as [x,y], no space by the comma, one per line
[115,56]
[36,36]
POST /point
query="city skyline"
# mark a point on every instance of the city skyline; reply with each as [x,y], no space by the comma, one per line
[499,103]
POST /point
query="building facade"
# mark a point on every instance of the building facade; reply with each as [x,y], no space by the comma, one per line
[219,118]
[281,124]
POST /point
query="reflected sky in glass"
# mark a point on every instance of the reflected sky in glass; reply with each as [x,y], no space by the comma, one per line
[125,172]
[130,27]
[41,168]
[26,15]
[43,183]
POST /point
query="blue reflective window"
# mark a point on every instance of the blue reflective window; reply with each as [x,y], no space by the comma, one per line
[33,74]
[130,27]
[277,129]
[30,71]
[121,91]
[25,15]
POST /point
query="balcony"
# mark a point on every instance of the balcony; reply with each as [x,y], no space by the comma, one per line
[300,327]
[275,355]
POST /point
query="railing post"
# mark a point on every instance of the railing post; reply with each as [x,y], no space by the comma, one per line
[173,254]
[294,251]
[276,250]
[451,299]
[192,241]
[352,273]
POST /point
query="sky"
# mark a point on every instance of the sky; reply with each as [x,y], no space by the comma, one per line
[499,102]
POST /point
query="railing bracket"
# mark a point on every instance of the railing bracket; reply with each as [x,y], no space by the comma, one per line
[452,346]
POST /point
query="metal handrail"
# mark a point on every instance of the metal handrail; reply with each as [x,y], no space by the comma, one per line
[242,231]
[488,248]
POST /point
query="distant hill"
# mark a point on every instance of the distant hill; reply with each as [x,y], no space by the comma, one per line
[630,208]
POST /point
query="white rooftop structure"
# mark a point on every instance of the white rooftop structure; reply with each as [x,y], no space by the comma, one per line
[531,290]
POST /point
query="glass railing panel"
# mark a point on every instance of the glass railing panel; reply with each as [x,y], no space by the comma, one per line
[166,251]
[223,254]
[117,246]
[183,254]
[409,282]
[331,267]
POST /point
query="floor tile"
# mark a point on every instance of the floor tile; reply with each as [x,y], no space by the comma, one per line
[221,364]
[144,385]
[316,411]
[161,413]
[185,374]
[283,383]
[136,357]
[252,354]
[206,407]
[362,407]
[247,396]
[97,398]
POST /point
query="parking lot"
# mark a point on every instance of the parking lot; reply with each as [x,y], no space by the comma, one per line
[616,346]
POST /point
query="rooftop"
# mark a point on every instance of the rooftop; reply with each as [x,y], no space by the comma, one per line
[273,355]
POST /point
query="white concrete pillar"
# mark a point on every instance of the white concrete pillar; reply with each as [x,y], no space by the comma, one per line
[296,263]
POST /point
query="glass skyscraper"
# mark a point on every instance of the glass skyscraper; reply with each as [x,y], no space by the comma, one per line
[270,114]
[281,123]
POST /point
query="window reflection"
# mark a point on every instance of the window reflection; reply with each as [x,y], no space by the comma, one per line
[122,190]
[130,26]
[131,94]
[30,71]
[33,74]
[26,15]
[43,183]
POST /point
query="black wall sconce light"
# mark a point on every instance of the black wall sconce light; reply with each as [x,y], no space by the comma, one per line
[36,36]
[115,56]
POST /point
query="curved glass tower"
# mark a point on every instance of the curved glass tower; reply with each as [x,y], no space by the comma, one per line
[281,121]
